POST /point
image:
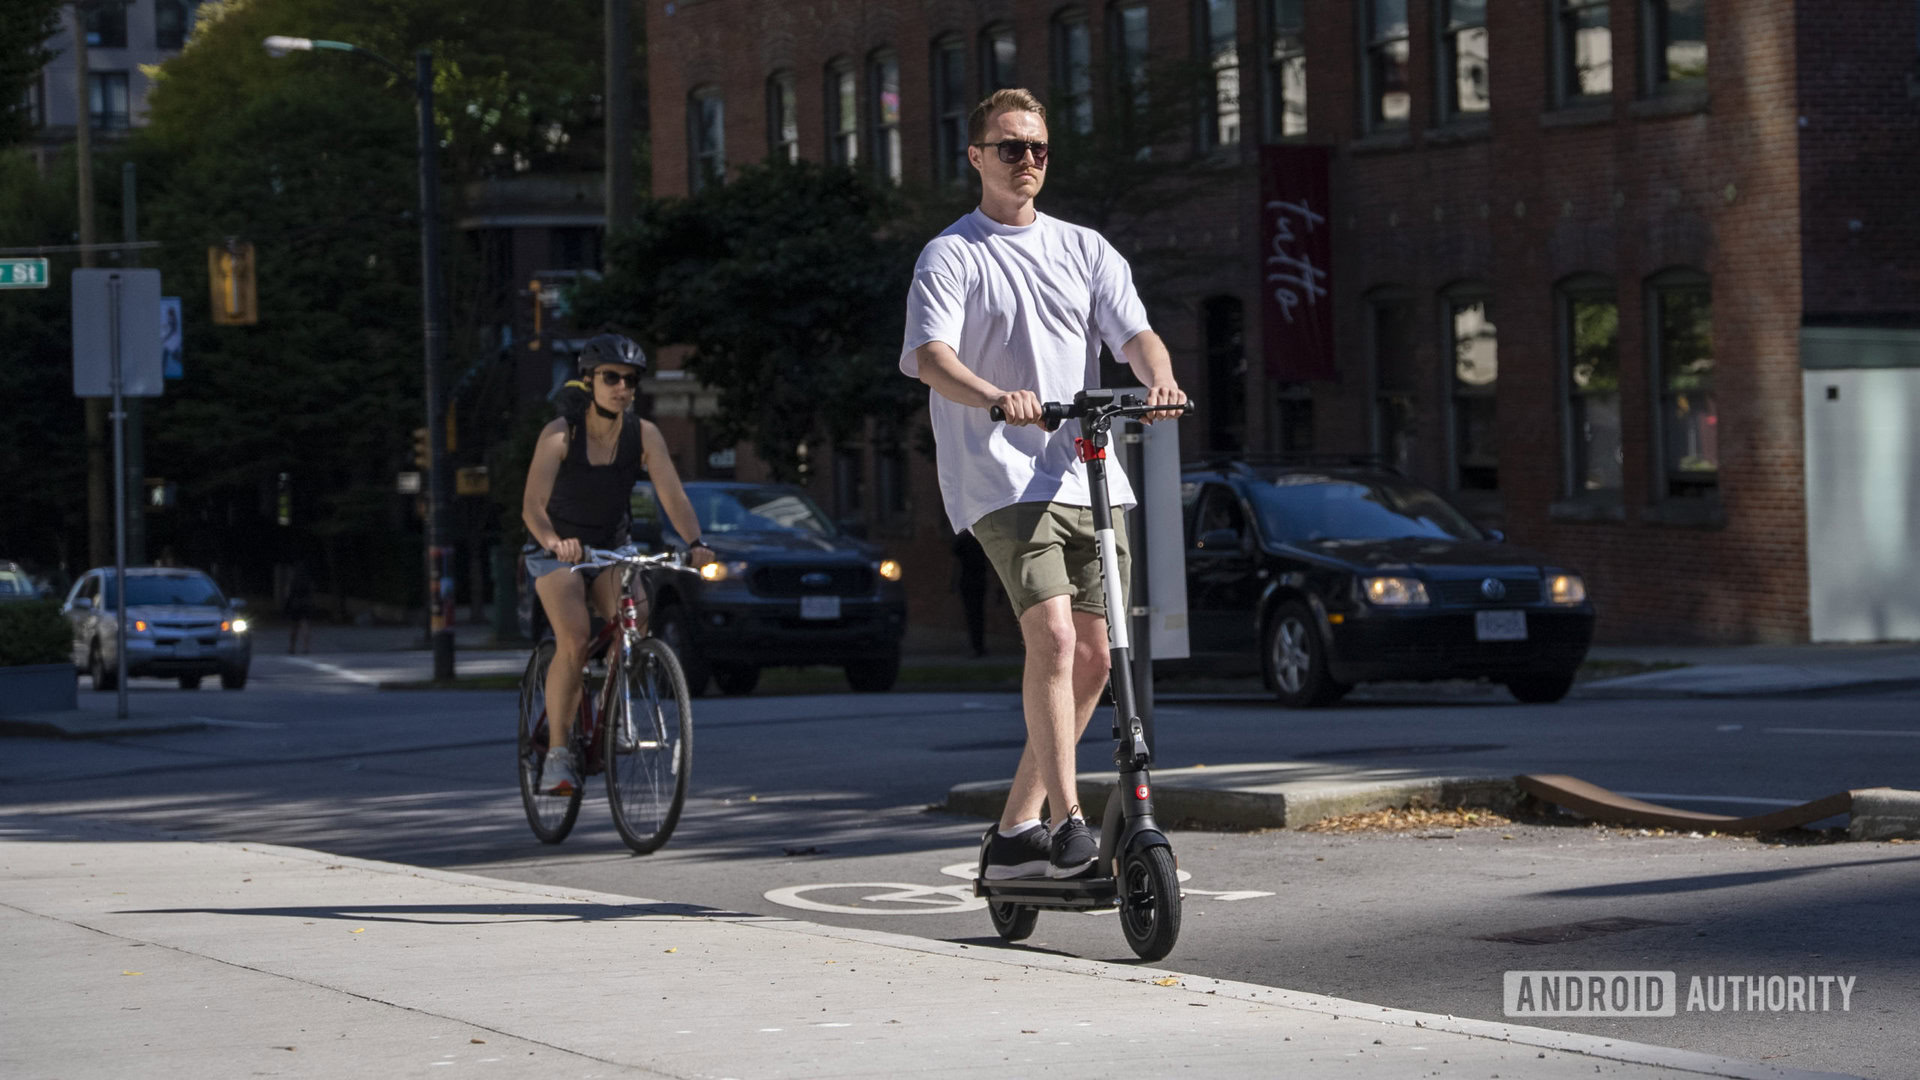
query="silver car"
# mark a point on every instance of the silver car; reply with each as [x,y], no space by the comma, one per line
[179,626]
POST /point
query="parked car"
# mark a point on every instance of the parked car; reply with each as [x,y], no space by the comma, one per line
[1328,576]
[179,625]
[787,587]
[17,584]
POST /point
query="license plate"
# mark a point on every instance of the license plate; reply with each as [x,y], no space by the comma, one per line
[187,650]
[1500,625]
[819,607]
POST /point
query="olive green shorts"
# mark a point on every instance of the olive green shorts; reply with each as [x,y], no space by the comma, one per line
[1045,549]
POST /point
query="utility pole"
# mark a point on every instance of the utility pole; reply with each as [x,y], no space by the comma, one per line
[135,407]
[99,475]
[619,114]
[440,591]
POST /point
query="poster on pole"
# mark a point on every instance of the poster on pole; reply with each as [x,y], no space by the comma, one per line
[116,307]
[171,336]
[1296,248]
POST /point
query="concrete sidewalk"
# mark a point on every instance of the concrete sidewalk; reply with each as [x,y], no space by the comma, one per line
[130,955]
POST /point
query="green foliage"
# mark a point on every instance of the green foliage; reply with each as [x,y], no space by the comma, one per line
[25,26]
[33,632]
[789,282]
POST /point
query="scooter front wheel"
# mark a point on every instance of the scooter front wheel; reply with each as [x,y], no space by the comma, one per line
[1013,922]
[1149,902]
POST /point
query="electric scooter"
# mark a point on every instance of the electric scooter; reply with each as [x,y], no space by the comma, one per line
[1135,871]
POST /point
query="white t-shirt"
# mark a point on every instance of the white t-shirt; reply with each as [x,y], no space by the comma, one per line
[1025,308]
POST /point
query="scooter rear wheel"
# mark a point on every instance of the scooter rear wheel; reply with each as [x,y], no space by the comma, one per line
[1013,922]
[1149,902]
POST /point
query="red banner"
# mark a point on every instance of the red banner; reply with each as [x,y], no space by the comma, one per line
[1296,251]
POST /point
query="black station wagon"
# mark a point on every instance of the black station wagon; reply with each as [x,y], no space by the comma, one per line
[1327,576]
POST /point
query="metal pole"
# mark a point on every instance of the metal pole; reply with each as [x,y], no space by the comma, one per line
[619,114]
[440,592]
[98,519]
[136,408]
[1140,597]
[119,492]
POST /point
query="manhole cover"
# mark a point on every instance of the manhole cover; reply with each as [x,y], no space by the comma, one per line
[1403,751]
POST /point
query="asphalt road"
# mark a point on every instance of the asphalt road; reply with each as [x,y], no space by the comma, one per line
[817,807]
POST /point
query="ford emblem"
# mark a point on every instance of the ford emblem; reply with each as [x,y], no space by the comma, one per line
[1493,588]
[819,579]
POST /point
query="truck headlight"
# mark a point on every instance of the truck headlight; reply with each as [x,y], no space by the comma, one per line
[1566,589]
[1395,591]
[722,571]
[889,570]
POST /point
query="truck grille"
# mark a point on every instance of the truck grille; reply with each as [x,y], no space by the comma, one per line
[788,581]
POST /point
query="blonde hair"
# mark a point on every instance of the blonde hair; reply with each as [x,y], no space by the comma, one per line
[1009,100]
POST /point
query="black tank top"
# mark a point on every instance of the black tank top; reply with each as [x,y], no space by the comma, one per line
[592,503]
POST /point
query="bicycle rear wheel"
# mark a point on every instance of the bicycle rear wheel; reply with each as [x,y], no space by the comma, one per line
[551,816]
[649,746]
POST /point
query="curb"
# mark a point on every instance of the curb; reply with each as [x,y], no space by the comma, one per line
[85,725]
[1600,691]
[1296,806]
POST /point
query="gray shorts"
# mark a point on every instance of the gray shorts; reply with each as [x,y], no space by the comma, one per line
[1046,549]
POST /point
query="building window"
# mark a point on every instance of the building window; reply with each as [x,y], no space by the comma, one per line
[107,100]
[172,22]
[1224,320]
[1127,46]
[883,89]
[1676,43]
[706,138]
[107,25]
[1462,26]
[1582,52]
[1476,376]
[1286,68]
[1688,428]
[950,108]
[997,56]
[849,482]
[783,118]
[1220,51]
[1590,358]
[1073,69]
[843,114]
[1392,340]
[34,102]
[1384,72]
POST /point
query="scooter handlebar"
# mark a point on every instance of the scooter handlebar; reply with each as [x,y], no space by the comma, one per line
[1053,412]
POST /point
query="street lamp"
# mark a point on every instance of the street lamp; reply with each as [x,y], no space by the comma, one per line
[439,503]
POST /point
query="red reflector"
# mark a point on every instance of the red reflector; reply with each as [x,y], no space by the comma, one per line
[1140,793]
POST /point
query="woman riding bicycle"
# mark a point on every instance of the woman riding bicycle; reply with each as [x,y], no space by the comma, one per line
[579,488]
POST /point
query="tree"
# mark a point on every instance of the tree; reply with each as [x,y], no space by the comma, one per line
[789,283]
[25,26]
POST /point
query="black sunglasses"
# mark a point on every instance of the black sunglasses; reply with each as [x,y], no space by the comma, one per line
[614,378]
[1012,150]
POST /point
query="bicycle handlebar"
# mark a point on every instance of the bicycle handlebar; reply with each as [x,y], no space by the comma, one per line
[1109,406]
[599,557]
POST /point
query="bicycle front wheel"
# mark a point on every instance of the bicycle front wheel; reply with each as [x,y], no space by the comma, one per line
[649,746]
[550,816]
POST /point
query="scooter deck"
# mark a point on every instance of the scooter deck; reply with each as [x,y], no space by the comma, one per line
[1084,893]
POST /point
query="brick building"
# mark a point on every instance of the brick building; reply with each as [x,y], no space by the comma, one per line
[1613,273]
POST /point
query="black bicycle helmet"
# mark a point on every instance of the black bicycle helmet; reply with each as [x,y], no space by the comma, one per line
[611,349]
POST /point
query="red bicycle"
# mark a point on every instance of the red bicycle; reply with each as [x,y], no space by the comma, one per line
[635,728]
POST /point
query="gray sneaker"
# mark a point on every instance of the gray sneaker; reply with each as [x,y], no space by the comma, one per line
[1021,855]
[558,775]
[1074,849]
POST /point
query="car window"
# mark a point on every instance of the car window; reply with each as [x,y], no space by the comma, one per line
[1219,509]
[1303,508]
[769,508]
[191,590]
[14,583]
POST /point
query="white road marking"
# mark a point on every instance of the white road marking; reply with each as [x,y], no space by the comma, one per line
[331,669]
[935,899]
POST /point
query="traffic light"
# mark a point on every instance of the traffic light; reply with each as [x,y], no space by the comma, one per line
[230,270]
[422,453]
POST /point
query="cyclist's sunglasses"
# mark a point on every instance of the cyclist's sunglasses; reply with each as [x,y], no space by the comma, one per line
[615,378]
[1012,150]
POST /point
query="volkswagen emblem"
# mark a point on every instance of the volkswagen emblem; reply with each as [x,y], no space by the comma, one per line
[1493,588]
[819,579]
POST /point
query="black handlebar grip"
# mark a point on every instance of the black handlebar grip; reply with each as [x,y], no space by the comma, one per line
[999,414]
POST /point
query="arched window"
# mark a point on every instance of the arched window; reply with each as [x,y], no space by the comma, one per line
[783,117]
[883,95]
[842,112]
[706,138]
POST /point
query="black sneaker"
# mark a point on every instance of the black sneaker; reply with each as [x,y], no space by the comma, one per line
[1074,849]
[1021,855]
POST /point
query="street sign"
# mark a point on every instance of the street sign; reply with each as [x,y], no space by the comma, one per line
[116,307]
[170,338]
[23,273]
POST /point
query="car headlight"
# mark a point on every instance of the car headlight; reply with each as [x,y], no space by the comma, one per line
[1395,591]
[889,569]
[722,571]
[239,626]
[1566,589]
